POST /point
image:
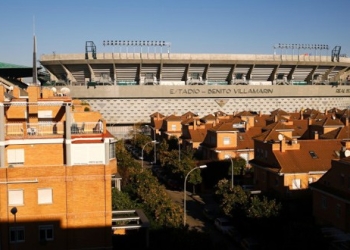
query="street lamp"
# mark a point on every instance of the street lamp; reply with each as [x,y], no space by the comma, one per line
[202,166]
[154,138]
[155,142]
[178,141]
[229,157]
[14,212]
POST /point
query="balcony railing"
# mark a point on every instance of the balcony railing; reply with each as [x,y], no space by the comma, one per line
[22,130]
[85,128]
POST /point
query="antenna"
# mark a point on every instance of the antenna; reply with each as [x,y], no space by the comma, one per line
[35,70]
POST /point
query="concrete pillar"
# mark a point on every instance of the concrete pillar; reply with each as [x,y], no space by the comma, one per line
[68,135]
[106,142]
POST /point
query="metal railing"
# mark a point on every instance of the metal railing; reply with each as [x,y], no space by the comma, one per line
[85,128]
[49,129]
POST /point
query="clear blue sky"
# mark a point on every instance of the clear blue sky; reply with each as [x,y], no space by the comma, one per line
[192,26]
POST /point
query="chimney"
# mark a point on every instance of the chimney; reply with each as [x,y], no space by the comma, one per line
[16,92]
[246,124]
[217,121]
[283,145]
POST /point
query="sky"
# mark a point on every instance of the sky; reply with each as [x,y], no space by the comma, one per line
[191,26]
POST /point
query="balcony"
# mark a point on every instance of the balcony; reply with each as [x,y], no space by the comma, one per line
[30,130]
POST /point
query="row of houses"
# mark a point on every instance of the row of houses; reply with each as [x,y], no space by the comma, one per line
[293,155]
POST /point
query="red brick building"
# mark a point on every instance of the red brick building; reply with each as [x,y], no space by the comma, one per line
[57,163]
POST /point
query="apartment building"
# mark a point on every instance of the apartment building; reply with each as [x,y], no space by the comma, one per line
[57,163]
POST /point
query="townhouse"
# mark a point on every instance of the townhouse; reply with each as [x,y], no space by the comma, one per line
[331,195]
[285,165]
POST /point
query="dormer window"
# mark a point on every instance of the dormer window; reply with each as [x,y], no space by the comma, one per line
[227,141]
[313,154]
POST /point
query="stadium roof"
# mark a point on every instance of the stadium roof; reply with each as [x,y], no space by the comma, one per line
[8,65]
[16,71]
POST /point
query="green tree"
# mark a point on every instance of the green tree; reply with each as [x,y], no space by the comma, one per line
[262,207]
[237,202]
[163,152]
[154,199]
[239,166]
[127,166]
[179,167]
[122,201]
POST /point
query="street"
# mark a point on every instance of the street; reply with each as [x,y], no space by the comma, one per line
[196,220]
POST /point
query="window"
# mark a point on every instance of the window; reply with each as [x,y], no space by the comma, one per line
[296,184]
[173,127]
[342,179]
[46,233]
[16,234]
[313,154]
[324,202]
[311,180]
[15,156]
[45,196]
[337,210]
[45,114]
[227,141]
[16,197]
[112,150]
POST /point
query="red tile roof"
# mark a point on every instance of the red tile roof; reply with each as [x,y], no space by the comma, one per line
[301,161]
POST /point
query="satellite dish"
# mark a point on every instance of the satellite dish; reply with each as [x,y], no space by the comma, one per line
[65,91]
[280,137]
[347,153]
[54,89]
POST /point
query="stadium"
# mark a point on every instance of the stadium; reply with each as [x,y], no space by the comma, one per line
[127,87]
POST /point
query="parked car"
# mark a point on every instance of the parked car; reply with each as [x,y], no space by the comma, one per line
[174,185]
[210,213]
[235,235]
[251,189]
[250,243]
[223,224]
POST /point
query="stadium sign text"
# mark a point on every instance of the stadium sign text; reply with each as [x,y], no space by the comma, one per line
[196,91]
